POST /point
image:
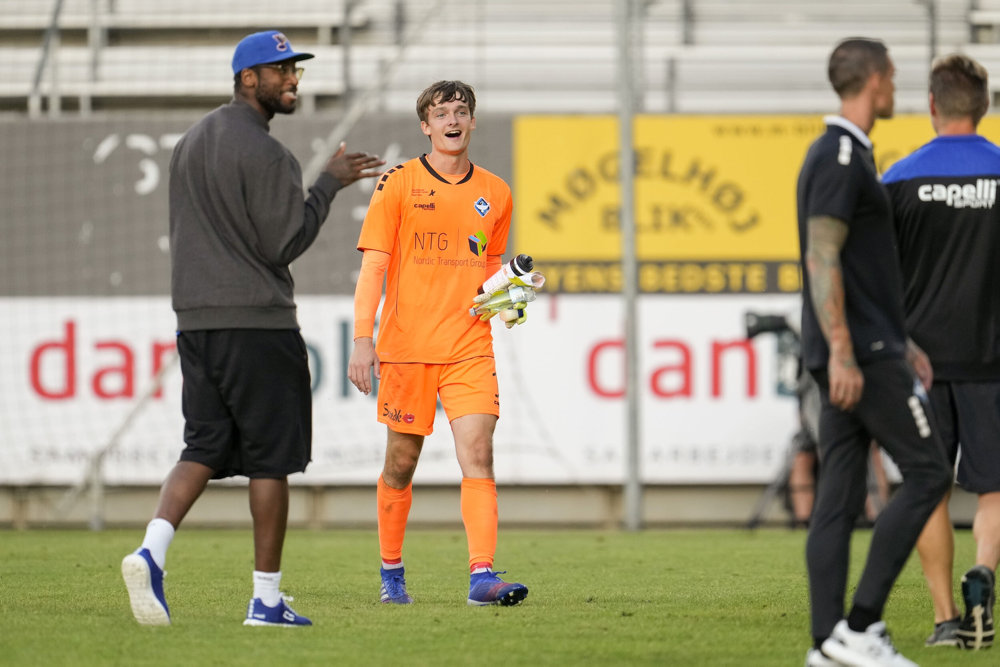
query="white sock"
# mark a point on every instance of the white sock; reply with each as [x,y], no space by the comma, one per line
[265,587]
[159,534]
[392,566]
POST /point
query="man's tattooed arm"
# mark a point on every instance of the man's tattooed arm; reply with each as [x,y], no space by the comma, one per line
[826,238]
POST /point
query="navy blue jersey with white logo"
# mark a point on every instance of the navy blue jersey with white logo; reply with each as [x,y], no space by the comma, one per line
[838,179]
[944,198]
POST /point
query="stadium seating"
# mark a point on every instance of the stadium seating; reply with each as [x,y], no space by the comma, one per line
[984,21]
[181,15]
[694,56]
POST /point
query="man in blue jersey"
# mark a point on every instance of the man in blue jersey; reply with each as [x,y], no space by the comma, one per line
[855,346]
[944,199]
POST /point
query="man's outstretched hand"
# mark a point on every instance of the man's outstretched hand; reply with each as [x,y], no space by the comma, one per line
[349,167]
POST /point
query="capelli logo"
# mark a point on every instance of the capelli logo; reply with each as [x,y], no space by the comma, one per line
[981,194]
[425,207]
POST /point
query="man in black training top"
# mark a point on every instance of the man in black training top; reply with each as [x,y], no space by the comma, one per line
[855,346]
[944,202]
[238,218]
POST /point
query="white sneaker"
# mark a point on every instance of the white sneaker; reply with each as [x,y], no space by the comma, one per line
[871,648]
[815,658]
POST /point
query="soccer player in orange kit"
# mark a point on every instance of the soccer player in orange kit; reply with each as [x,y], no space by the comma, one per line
[438,226]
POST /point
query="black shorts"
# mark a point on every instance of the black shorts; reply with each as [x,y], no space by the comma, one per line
[247,401]
[968,414]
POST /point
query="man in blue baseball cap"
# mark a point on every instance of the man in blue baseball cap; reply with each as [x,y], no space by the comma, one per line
[269,51]
[260,48]
[238,218]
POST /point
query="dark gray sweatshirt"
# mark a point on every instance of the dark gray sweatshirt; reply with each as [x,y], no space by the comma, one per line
[237,220]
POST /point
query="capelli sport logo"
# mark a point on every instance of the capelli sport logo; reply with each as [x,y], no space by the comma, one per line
[477,244]
[981,194]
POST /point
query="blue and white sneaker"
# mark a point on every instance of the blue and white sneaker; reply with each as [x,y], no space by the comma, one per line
[393,589]
[280,615]
[144,581]
[487,588]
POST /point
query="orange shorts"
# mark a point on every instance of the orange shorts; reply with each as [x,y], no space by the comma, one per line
[407,393]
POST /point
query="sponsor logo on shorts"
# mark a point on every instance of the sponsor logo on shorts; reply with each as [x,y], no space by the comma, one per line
[396,415]
[981,194]
[392,414]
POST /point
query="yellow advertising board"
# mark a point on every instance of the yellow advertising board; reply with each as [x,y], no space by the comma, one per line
[714,197]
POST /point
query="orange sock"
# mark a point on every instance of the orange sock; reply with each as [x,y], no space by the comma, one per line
[479,514]
[393,510]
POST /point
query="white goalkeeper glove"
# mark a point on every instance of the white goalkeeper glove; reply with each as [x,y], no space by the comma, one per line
[510,303]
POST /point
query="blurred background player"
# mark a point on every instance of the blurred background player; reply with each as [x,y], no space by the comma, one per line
[803,471]
[798,475]
[238,218]
[439,225]
[855,345]
[948,226]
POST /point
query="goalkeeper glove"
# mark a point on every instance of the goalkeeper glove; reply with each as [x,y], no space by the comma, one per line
[510,303]
[515,315]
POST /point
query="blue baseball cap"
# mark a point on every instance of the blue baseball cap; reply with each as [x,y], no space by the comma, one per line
[265,47]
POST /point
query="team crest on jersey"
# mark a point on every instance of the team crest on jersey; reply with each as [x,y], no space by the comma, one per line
[477,244]
[482,206]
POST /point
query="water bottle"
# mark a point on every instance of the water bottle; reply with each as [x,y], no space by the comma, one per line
[507,274]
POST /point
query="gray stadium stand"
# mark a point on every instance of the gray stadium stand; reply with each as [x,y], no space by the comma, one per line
[695,56]
[984,20]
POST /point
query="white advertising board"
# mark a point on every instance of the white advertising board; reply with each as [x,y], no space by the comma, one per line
[75,374]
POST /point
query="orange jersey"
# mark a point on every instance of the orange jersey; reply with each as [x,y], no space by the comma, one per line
[438,235]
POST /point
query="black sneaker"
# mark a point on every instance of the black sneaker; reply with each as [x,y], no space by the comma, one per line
[945,634]
[976,630]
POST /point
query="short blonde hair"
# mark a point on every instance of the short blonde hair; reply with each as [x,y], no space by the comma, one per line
[960,86]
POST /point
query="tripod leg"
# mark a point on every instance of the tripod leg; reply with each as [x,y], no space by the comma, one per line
[778,484]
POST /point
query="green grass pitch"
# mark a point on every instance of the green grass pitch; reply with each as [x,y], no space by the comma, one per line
[681,597]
